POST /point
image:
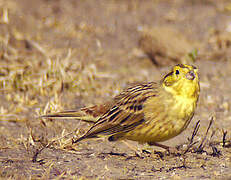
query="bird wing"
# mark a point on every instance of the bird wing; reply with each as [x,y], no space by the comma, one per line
[126,113]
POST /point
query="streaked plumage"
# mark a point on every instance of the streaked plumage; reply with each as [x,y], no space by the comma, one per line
[147,113]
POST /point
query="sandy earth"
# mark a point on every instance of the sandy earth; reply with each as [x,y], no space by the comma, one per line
[59,54]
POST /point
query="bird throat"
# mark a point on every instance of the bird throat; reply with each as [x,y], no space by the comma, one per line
[184,89]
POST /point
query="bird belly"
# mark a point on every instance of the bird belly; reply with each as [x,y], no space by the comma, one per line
[162,126]
[155,132]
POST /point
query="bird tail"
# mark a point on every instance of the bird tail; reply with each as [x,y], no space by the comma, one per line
[75,115]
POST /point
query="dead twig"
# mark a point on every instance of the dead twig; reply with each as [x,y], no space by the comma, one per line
[225,143]
[216,152]
[38,151]
[203,143]
[191,141]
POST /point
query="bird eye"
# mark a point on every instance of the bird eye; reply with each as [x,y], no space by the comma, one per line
[177,72]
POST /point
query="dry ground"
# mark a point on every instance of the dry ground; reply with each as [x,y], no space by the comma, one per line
[66,54]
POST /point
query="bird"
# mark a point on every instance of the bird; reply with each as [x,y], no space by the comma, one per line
[150,112]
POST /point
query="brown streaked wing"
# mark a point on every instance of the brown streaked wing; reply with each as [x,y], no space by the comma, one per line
[127,112]
[97,110]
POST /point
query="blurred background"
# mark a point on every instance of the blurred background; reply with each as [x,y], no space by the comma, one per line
[66,54]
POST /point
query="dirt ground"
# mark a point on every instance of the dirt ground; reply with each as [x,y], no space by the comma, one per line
[66,54]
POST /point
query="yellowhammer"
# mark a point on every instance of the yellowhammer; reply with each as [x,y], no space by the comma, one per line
[147,113]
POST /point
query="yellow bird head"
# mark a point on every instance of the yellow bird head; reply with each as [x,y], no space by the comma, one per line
[182,80]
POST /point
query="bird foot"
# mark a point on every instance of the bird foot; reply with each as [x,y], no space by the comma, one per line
[173,151]
[170,150]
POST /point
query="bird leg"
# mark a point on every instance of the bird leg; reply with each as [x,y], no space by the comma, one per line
[137,150]
[171,150]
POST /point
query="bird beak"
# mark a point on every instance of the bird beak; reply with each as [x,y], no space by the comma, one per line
[190,75]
